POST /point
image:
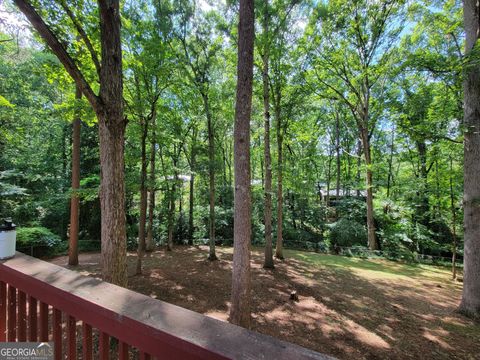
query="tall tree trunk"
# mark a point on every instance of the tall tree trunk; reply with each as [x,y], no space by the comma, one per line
[191,199]
[112,137]
[172,200]
[229,162]
[437,190]
[268,263]
[211,178]
[359,166]
[75,200]
[180,211]
[470,304]
[66,148]
[143,196]
[423,208]
[150,244]
[349,169]
[190,209]
[329,177]
[224,155]
[108,106]
[291,205]
[262,175]
[240,308]
[454,224]
[112,196]
[337,153]
[372,240]
[171,215]
[390,163]
[278,118]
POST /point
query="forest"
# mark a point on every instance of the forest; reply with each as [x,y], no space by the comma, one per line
[139,134]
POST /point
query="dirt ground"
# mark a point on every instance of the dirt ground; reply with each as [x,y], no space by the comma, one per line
[349,308]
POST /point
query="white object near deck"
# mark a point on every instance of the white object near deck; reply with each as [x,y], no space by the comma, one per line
[8,237]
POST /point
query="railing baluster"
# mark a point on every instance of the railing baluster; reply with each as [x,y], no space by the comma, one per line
[57,333]
[104,346]
[87,342]
[43,322]
[134,321]
[32,319]
[22,316]
[3,311]
[12,313]
[122,351]
[71,338]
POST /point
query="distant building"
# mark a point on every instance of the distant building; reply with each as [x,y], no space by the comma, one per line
[331,196]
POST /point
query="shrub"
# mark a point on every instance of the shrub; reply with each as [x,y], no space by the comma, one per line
[38,241]
[223,223]
[37,236]
[346,233]
[351,208]
[300,238]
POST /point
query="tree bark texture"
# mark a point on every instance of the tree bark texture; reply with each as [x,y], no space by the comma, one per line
[470,304]
[171,215]
[172,200]
[75,200]
[329,175]
[372,239]
[423,208]
[143,197]
[278,118]
[191,199]
[337,153]
[268,263]
[390,164]
[359,166]
[240,301]
[211,177]
[112,137]
[150,243]
[108,106]
[454,224]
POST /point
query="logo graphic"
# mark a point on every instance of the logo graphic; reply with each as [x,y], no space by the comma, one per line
[26,351]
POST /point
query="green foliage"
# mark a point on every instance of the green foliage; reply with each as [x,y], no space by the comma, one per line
[5,102]
[36,237]
[346,232]
[223,224]
[326,60]
[89,245]
[351,208]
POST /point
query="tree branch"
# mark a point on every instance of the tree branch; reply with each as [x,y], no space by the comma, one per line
[83,35]
[57,48]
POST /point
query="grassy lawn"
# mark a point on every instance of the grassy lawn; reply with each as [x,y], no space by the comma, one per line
[348,307]
[374,268]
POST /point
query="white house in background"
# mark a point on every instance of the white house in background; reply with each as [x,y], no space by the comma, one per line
[332,193]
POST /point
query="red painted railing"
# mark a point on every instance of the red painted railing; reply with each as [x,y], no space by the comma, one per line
[88,318]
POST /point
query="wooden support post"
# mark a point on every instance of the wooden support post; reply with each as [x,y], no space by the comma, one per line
[3,311]
[12,314]
[22,316]
[71,338]
[32,319]
[57,333]
[87,348]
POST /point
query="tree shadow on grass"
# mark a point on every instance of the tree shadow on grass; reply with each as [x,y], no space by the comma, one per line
[348,308]
[384,318]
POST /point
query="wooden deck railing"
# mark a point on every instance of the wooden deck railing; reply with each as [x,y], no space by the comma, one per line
[88,318]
